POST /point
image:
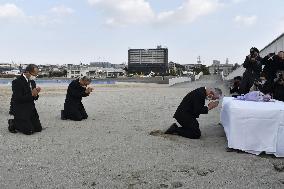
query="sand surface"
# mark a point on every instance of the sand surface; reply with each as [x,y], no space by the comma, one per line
[113,147]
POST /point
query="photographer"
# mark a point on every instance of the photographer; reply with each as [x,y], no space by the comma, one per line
[278,89]
[235,89]
[262,85]
[253,68]
[269,66]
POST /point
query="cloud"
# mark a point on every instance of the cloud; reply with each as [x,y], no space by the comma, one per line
[124,12]
[127,12]
[62,10]
[53,16]
[238,1]
[246,20]
[189,11]
[10,11]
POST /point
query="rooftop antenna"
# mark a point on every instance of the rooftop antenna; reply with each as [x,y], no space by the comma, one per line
[198,60]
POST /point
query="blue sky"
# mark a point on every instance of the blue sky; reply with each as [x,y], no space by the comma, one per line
[74,31]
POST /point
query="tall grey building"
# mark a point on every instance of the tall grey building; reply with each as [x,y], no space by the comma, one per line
[146,60]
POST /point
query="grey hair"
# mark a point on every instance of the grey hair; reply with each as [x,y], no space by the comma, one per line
[217,91]
[86,78]
[31,68]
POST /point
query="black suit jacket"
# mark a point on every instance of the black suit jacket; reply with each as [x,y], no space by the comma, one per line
[193,104]
[75,93]
[22,101]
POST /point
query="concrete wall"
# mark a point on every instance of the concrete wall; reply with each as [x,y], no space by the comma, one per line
[177,80]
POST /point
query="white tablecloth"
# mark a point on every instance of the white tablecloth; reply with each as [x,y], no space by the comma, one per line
[254,127]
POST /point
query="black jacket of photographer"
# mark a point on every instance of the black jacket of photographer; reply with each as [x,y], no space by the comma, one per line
[253,68]
[270,66]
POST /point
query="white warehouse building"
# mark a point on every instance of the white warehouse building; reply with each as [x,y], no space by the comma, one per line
[273,47]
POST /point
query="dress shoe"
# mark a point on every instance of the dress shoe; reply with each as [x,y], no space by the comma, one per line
[11,126]
[172,129]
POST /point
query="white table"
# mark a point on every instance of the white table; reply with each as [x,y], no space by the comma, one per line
[254,127]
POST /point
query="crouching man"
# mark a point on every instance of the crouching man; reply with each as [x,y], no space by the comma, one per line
[73,106]
[192,105]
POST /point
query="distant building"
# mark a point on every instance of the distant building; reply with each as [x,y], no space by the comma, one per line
[217,68]
[148,60]
[76,71]
[9,68]
[175,68]
[101,64]
[191,67]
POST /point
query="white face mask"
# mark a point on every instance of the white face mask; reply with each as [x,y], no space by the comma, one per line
[32,77]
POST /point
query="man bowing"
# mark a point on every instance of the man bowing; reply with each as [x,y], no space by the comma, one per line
[73,106]
[192,105]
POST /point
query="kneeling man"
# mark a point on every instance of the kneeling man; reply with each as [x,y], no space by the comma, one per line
[73,106]
[25,92]
[192,105]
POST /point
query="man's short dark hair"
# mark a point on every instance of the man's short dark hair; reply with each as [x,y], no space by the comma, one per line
[31,68]
[254,49]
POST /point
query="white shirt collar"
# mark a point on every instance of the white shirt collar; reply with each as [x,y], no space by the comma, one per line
[26,77]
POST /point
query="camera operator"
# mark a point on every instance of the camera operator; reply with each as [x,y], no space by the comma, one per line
[235,88]
[262,85]
[269,66]
[278,91]
[253,68]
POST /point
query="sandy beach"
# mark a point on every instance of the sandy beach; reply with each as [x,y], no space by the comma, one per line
[113,147]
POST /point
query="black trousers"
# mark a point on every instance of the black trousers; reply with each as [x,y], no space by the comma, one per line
[278,92]
[190,127]
[30,125]
[75,113]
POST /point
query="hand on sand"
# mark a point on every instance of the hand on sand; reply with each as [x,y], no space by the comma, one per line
[212,105]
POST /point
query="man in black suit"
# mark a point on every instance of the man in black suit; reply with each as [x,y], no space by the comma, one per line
[25,92]
[73,106]
[192,105]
